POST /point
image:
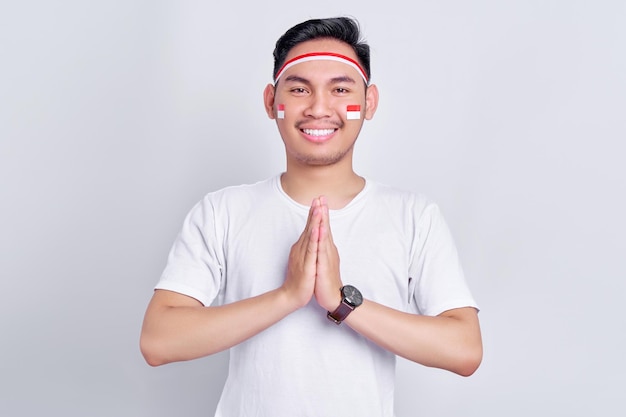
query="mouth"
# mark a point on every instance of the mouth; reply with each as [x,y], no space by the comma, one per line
[318,135]
[318,132]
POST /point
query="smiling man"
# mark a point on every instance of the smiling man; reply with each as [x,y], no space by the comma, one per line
[317,278]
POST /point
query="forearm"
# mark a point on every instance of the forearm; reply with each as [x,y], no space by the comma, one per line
[449,341]
[174,333]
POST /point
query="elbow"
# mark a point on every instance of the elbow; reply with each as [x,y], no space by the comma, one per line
[150,352]
[469,362]
[467,368]
[153,361]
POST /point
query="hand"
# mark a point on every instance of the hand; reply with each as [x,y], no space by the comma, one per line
[301,269]
[328,279]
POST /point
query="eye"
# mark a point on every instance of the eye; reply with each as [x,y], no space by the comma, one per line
[341,90]
[298,91]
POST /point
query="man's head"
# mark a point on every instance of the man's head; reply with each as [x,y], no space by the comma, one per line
[340,28]
[321,93]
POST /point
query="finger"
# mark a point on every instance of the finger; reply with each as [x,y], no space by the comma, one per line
[325,233]
[315,226]
[315,203]
[308,227]
[312,244]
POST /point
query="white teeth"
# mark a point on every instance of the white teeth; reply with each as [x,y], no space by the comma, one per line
[318,132]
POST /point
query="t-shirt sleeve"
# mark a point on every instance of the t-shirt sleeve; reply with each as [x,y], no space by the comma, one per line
[195,261]
[437,279]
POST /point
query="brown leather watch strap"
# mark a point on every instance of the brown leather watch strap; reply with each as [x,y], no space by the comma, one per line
[340,313]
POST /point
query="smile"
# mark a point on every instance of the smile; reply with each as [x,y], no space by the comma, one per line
[318,132]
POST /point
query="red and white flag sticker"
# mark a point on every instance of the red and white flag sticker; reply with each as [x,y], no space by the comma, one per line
[280,111]
[354,112]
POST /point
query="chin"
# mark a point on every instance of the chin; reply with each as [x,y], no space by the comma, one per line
[321,160]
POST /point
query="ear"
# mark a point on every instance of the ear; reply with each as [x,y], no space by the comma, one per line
[371,101]
[268,101]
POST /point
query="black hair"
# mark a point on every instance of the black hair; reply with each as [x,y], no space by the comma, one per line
[343,29]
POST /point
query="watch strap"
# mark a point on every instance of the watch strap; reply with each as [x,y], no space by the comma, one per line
[340,312]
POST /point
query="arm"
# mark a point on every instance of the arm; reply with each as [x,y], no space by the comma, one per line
[178,328]
[450,341]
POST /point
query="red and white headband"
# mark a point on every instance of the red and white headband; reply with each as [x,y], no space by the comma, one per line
[321,56]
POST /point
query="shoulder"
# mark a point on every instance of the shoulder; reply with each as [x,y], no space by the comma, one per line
[392,197]
[239,193]
[414,211]
[242,190]
[232,199]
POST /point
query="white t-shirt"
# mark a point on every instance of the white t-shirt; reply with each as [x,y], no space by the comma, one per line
[394,246]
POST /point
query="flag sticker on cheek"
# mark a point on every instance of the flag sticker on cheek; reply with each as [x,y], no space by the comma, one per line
[280,111]
[353,112]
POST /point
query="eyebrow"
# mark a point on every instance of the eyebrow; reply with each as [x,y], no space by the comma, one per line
[342,79]
[334,80]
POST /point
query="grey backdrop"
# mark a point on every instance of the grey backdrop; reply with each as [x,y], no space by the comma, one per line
[117,116]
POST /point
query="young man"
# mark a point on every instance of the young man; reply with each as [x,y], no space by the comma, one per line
[256,268]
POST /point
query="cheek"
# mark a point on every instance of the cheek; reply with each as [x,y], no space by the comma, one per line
[348,110]
[353,112]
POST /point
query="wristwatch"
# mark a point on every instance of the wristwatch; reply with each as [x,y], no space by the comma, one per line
[351,298]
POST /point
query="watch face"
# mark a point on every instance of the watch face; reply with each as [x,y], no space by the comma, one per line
[352,295]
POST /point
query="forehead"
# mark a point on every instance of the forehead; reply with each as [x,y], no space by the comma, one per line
[320,67]
[322,45]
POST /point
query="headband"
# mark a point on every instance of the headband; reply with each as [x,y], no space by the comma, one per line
[321,56]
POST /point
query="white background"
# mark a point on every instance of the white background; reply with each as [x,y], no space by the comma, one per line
[117,116]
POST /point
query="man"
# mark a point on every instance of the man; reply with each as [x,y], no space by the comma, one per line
[314,326]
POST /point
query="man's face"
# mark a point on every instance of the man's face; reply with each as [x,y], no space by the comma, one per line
[316,94]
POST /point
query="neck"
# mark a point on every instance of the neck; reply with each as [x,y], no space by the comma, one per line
[338,185]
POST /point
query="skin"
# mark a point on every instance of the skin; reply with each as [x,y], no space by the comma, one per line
[320,173]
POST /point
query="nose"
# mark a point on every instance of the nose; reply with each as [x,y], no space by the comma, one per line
[319,106]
